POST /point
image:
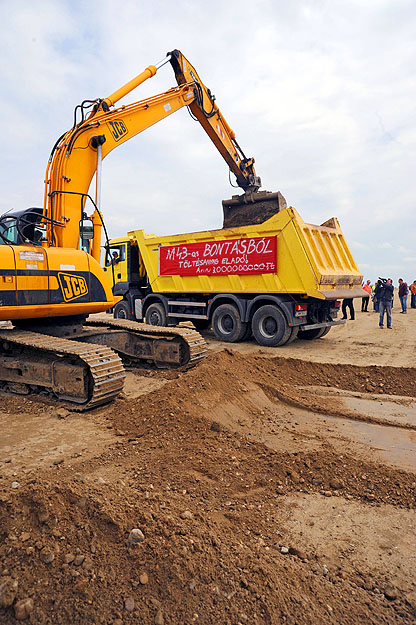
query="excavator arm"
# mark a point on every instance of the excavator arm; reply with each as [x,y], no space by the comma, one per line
[205,110]
[78,153]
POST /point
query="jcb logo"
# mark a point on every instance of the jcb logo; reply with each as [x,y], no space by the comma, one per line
[72,286]
[118,129]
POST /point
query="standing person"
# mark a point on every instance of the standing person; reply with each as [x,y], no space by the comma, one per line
[386,291]
[413,294]
[376,296]
[403,291]
[348,303]
[365,300]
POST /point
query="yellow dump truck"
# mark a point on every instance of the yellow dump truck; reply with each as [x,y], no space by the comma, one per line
[277,280]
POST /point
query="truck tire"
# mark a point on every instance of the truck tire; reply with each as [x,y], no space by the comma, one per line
[201,324]
[312,334]
[227,324]
[122,310]
[293,334]
[248,333]
[270,327]
[155,315]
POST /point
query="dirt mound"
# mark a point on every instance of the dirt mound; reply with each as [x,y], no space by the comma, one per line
[226,377]
[210,504]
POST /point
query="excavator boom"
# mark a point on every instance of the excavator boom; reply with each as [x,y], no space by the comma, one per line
[78,154]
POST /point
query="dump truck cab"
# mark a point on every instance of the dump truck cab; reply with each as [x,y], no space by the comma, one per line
[121,267]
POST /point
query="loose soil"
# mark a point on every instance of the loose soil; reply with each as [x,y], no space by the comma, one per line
[270,486]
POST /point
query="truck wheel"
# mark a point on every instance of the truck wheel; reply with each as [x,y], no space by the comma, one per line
[248,333]
[201,324]
[325,332]
[293,334]
[311,335]
[227,324]
[270,327]
[155,315]
[122,310]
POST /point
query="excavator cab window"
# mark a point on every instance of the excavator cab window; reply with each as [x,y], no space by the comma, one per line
[8,231]
[22,227]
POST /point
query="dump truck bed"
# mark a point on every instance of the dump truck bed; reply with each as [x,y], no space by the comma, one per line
[282,255]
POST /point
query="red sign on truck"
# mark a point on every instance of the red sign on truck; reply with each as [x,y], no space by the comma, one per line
[210,258]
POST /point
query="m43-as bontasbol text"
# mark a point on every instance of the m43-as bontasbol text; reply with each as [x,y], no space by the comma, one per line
[228,257]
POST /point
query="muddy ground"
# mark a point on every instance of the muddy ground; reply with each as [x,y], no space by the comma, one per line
[269,486]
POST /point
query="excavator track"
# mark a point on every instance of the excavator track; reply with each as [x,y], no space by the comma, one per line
[165,347]
[81,375]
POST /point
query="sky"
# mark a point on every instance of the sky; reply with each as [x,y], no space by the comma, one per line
[321,92]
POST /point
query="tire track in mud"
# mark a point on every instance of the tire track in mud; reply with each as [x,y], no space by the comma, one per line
[291,376]
[305,403]
[372,379]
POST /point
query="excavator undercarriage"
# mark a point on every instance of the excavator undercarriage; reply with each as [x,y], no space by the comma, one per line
[87,370]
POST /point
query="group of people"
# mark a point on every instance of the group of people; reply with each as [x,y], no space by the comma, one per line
[382,293]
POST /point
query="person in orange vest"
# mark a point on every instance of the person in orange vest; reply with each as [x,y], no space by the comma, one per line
[413,294]
[365,300]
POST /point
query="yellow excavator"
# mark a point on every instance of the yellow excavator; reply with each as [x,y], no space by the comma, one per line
[50,273]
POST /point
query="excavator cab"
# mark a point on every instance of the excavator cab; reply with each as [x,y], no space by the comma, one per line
[20,227]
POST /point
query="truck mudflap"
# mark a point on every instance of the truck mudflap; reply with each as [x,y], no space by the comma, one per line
[325,324]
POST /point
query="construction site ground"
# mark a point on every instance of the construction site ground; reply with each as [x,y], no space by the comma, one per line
[270,486]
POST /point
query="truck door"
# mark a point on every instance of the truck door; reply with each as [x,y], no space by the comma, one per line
[116,263]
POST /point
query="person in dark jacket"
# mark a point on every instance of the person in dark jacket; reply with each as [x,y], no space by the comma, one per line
[403,291]
[385,297]
[376,303]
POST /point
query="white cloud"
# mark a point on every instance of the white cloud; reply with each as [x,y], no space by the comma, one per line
[358,245]
[385,246]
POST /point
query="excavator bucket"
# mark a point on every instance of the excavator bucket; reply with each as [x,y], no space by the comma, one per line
[251,208]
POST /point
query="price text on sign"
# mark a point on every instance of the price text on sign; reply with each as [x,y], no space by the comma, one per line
[211,258]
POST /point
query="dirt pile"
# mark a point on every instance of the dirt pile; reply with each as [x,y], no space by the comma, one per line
[213,506]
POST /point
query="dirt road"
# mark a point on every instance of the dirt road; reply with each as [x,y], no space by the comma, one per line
[269,486]
[358,342]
